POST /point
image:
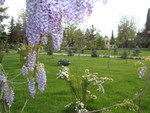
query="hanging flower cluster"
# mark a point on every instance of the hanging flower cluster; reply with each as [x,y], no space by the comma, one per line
[31,86]
[6,89]
[41,77]
[46,16]
[32,69]
[142,71]
[30,63]
[143,67]
[31,60]
[2,2]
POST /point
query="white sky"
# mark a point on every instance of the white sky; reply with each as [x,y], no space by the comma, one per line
[105,17]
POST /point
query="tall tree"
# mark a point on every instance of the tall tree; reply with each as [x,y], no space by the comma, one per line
[80,40]
[49,46]
[70,35]
[100,42]
[126,30]
[112,40]
[148,23]
[18,33]
[11,31]
[3,16]
[90,34]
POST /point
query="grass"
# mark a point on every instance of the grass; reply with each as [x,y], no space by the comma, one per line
[57,94]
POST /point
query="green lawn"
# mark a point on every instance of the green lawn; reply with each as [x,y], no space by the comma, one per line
[57,94]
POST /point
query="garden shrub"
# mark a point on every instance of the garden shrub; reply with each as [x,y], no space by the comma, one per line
[124,55]
[94,53]
[115,51]
[136,51]
[70,52]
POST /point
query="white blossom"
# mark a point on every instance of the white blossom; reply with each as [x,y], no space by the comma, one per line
[80,108]
[63,73]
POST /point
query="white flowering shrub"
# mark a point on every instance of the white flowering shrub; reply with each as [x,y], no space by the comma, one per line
[79,103]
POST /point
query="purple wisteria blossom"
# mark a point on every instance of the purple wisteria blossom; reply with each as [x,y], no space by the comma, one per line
[31,86]
[9,95]
[8,92]
[25,70]
[46,16]
[3,79]
[142,72]
[41,77]
[2,2]
[104,1]
[31,60]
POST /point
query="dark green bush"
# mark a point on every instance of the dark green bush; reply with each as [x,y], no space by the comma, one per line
[94,53]
[70,53]
[124,55]
[136,51]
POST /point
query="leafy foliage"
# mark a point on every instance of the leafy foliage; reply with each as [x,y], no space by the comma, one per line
[124,55]
[3,14]
[1,51]
[126,30]
[49,46]
[136,51]
[94,53]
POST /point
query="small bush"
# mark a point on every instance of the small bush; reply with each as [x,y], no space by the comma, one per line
[115,51]
[94,53]
[70,53]
[136,51]
[124,55]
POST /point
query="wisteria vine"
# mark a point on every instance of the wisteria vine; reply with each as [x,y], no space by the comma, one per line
[46,16]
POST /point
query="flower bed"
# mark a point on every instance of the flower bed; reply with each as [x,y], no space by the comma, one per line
[64,62]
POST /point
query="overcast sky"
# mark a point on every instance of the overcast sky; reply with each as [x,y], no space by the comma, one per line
[105,17]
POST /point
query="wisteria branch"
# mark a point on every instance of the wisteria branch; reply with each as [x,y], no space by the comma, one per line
[19,83]
[15,77]
[25,103]
[3,105]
